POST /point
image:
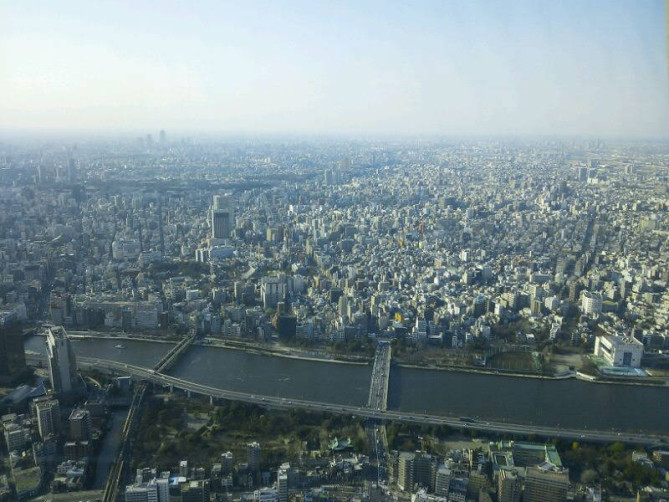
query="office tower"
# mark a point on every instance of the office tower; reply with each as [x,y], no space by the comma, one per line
[546,483]
[48,416]
[12,353]
[222,217]
[162,137]
[253,454]
[509,486]
[80,425]
[62,363]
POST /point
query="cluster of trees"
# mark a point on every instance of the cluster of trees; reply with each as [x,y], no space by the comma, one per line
[355,346]
[611,465]
[403,436]
[163,441]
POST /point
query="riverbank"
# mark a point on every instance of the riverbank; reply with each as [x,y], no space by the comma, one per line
[572,375]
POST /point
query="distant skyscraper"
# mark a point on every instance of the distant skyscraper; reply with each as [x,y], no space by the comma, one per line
[162,137]
[222,217]
[62,363]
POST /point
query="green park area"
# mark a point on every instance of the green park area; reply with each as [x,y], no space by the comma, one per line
[174,428]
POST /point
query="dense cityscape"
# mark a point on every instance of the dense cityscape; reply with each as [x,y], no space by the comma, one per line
[273,319]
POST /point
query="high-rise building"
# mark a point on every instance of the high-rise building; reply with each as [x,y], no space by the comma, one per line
[162,137]
[282,484]
[509,486]
[591,303]
[222,217]
[62,363]
[272,290]
[425,470]
[227,460]
[163,484]
[253,452]
[47,412]
[12,353]
[80,425]
[443,481]
[405,469]
[546,483]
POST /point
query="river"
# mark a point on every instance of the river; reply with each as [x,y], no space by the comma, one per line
[136,352]
[555,403]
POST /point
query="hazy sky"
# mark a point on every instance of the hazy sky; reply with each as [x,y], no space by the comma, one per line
[375,67]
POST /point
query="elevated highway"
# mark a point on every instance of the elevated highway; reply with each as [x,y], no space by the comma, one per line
[587,435]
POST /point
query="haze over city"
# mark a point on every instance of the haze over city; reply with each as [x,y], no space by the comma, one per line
[437,68]
[334,251]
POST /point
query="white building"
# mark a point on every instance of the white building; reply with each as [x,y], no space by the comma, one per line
[272,290]
[591,303]
[619,350]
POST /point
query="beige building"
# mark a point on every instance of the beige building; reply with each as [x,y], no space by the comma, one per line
[546,483]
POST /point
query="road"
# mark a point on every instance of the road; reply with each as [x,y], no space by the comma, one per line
[378,387]
[381,415]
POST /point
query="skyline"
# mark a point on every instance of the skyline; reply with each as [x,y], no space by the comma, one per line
[461,68]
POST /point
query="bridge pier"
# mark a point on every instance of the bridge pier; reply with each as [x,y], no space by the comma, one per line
[171,389]
[211,400]
[188,393]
